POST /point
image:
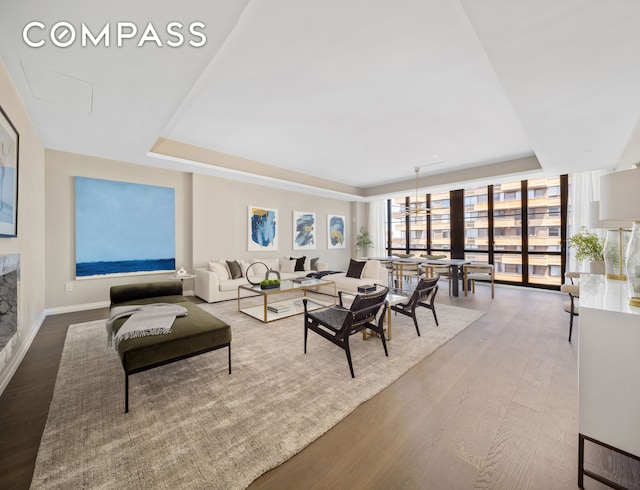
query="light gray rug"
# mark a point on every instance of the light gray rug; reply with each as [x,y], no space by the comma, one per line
[192,425]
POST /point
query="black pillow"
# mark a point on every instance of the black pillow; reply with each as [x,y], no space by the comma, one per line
[314,263]
[234,269]
[299,263]
[355,268]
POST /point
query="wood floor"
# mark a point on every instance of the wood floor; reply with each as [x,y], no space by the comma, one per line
[496,407]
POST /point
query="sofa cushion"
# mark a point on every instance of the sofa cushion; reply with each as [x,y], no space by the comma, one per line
[232,284]
[234,269]
[355,268]
[220,269]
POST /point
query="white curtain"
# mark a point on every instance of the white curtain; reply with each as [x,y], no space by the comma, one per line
[585,188]
[377,212]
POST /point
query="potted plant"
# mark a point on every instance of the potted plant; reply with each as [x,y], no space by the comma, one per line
[589,246]
[363,240]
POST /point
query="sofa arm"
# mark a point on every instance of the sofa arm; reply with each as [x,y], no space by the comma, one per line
[207,285]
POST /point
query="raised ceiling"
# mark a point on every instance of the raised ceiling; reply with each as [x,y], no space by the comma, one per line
[345,97]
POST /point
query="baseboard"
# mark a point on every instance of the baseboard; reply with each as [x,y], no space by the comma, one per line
[73,308]
[12,367]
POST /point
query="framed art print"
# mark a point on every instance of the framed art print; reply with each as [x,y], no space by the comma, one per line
[123,228]
[335,231]
[304,230]
[262,229]
[9,150]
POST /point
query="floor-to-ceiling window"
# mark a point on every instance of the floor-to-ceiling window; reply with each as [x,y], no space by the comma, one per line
[519,226]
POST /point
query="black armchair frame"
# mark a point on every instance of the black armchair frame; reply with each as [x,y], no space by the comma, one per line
[423,295]
[337,323]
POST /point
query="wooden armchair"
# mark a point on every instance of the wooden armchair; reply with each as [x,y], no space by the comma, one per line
[424,295]
[337,323]
[477,272]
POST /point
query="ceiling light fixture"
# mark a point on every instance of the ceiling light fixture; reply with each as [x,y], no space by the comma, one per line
[416,208]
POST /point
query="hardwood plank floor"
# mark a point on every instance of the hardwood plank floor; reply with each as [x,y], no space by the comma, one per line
[496,407]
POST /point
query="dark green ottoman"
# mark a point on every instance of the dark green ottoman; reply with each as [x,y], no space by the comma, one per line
[194,334]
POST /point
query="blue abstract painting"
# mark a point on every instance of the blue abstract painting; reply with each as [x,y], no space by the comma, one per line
[263,229]
[123,228]
[335,231]
[304,230]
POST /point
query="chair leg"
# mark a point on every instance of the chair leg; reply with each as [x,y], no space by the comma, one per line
[435,317]
[348,352]
[306,331]
[415,321]
[384,342]
[570,325]
[491,288]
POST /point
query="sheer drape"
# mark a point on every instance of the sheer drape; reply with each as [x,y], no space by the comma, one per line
[585,188]
[377,212]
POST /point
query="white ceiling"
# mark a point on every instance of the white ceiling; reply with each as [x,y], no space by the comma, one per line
[357,92]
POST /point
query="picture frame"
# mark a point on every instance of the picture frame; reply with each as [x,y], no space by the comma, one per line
[336,231]
[9,156]
[304,230]
[262,229]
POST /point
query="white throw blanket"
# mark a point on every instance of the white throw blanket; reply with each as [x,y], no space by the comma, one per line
[144,320]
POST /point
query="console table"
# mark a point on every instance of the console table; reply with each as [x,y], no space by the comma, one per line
[608,371]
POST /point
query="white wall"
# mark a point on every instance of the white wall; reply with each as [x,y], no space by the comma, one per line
[61,168]
[211,223]
[220,221]
[30,241]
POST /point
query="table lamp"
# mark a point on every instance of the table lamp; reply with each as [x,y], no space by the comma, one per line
[620,200]
[615,245]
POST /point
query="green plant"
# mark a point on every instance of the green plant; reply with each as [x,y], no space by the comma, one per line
[588,245]
[269,282]
[363,240]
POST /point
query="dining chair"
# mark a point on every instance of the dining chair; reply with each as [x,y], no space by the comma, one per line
[433,270]
[477,272]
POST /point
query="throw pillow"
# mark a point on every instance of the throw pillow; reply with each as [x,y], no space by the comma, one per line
[234,269]
[244,265]
[314,263]
[271,264]
[288,265]
[220,270]
[355,268]
[299,263]
[371,269]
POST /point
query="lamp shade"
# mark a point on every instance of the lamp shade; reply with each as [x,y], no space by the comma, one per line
[620,195]
[596,223]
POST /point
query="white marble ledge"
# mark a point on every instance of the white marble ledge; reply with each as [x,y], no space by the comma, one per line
[600,293]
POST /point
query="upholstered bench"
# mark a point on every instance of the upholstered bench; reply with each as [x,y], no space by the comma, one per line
[196,333]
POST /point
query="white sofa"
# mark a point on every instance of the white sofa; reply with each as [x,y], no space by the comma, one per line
[213,284]
[372,273]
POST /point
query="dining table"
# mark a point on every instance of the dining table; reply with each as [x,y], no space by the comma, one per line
[455,265]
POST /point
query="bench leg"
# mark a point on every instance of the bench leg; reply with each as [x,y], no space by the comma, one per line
[126,393]
[229,358]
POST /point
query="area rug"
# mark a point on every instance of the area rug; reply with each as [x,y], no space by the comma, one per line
[192,425]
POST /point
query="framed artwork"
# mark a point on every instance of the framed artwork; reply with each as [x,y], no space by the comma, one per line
[335,231]
[262,229]
[124,228]
[304,230]
[9,151]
